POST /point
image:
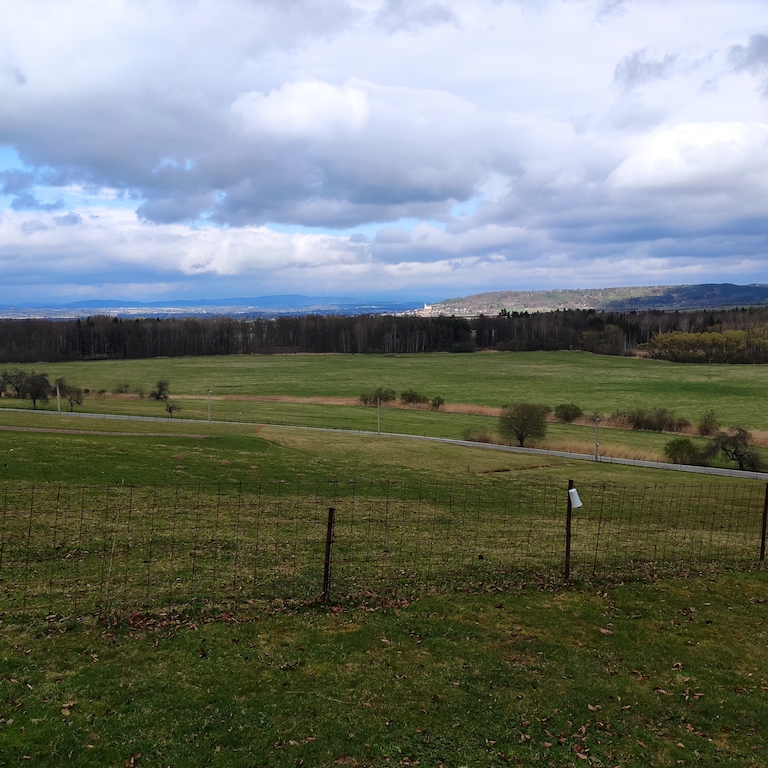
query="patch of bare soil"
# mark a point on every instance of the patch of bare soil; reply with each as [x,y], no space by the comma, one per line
[466,408]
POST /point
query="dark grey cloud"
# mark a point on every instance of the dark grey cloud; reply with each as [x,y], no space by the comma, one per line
[413,15]
[638,68]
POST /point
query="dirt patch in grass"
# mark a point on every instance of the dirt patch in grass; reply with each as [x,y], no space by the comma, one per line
[465,408]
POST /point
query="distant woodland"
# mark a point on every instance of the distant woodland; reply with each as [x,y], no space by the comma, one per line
[722,336]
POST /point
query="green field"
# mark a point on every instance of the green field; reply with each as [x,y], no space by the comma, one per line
[642,675]
[140,452]
[597,384]
[475,672]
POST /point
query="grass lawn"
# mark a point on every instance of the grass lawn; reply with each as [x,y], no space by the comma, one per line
[667,674]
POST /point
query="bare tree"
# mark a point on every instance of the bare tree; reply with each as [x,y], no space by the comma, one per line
[734,444]
[15,379]
[36,387]
[162,390]
[73,395]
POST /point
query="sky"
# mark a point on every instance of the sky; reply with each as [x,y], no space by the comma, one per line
[390,149]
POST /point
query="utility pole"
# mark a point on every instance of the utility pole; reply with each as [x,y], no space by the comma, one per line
[597,439]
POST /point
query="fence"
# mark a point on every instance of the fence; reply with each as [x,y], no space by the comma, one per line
[71,551]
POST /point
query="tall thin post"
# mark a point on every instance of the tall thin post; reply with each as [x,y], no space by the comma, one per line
[597,439]
[328,547]
[765,525]
[209,405]
[58,398]
[568,534]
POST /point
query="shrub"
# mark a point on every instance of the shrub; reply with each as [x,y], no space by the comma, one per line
[567,412]
[682,450]
[409,397]
[476,435]
[708,423]
[656,419]
[123,388]
[436,403]
[463,346]
[378,394]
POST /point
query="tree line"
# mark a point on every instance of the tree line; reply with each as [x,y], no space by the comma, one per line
[728,336]
[35,386]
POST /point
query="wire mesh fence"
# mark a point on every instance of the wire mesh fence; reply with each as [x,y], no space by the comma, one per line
[76,550]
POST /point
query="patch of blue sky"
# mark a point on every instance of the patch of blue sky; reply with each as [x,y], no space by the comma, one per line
[466,207]
[10,160]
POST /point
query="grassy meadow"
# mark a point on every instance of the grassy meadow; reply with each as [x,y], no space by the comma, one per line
[45,448]
[469,383]
[667,674]
[597,384]
[661,673]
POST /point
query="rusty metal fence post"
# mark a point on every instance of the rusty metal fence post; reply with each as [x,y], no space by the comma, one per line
[568,519]
[765,525]
[328,548]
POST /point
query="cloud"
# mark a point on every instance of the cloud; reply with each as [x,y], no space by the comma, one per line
[15,182]
[608,8]
[638,68]
[70,219]
[26,201]
[32,226]
[413,15]
[701,159]
[378,143]
[306,109]
[753,58]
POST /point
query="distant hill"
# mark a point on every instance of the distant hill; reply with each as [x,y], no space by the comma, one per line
[664,297]
[256,306]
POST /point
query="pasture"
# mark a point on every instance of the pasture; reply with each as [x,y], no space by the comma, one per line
[323,391]
[666,674]
[499,671]
[598,384]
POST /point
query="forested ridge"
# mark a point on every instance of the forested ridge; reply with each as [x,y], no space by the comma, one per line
[727,336]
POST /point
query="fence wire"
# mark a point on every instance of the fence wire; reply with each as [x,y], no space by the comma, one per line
[68,551]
